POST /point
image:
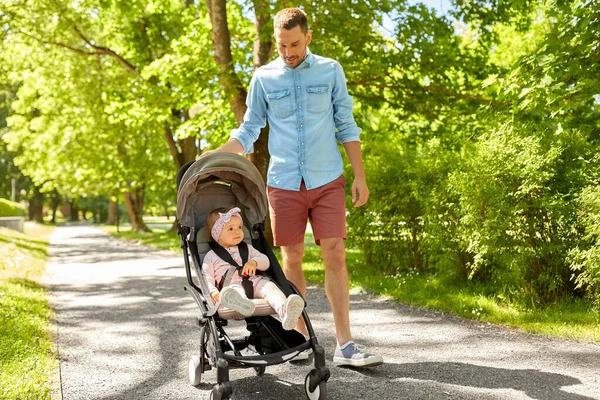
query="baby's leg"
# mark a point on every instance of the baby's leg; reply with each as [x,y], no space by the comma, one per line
[289,309]
[274,296]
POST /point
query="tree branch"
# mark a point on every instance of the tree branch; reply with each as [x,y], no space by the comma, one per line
[97,50]
[106,51]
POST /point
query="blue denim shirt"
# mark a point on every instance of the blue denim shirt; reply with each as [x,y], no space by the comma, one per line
[309,111]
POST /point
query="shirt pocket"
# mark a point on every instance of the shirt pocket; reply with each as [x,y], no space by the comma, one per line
[281,103]
[318,99]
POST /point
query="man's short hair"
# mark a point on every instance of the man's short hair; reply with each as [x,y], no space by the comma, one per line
[289,18]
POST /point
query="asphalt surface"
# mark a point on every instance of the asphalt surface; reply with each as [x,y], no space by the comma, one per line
[126,330]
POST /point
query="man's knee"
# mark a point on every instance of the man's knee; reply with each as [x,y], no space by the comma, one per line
[293,255]
[334,253]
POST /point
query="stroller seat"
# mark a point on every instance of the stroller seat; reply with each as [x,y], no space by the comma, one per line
[262,308]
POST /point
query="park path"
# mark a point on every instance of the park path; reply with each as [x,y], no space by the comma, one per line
[125,330]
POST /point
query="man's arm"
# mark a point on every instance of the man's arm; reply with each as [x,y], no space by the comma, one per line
[360,190]
[231,146]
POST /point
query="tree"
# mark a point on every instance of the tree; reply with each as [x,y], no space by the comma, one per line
[115,95]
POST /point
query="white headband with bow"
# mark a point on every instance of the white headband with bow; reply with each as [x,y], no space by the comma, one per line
[224,218]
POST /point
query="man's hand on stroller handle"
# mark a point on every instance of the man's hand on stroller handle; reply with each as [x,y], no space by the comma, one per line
[249,268]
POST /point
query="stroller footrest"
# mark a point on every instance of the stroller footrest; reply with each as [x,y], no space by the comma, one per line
[262,308]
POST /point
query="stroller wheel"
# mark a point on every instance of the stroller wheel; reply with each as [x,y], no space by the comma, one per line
[320,391]
[260,371]
[194,373]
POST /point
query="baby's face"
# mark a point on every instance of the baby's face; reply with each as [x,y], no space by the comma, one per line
[232,234]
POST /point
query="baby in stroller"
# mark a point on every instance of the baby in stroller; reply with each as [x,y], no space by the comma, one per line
[225,267]
[231,181]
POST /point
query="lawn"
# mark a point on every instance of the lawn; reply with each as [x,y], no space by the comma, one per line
[26,358]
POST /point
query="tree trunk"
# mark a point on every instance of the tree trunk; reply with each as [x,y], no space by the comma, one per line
[182,151]
[263,49]
[36,206]
[74,214]
[134,202]
[112,212]
[56,199]
[230,82]
[263,38]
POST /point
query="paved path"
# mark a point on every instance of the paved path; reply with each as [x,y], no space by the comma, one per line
[126,331]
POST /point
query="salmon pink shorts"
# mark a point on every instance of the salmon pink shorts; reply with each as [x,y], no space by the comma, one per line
[324,207]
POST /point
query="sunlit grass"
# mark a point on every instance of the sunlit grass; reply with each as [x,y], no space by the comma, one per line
[26,358]
[160,237]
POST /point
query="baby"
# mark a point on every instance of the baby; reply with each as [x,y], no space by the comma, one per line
[226,229]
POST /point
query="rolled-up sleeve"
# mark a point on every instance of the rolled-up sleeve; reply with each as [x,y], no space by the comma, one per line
[347,130]
[255,117]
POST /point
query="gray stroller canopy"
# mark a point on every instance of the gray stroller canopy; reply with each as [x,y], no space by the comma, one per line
[221,179]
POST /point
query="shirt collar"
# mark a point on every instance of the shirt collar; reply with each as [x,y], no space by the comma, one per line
[309,60]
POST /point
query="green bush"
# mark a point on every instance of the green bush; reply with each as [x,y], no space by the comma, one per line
[11,209]
[408,223]
[585,257]
[516,207]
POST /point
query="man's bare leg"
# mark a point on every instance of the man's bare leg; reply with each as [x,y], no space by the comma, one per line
[292,268]
[337,286]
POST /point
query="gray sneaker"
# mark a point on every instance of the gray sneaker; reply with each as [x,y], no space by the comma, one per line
[353,355]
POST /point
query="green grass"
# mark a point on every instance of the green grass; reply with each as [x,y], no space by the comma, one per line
[27,362]
[160,237]
[572,319]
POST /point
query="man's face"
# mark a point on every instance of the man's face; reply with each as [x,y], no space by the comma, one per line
[292,45]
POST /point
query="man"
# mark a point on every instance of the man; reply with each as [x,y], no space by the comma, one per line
[306,102]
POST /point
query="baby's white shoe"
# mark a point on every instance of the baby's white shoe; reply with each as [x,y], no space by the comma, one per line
[293,309]
[230,298]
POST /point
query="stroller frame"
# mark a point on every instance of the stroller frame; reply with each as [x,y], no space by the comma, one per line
[272,344]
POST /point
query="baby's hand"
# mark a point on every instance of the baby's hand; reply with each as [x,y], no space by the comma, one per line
[250,268]
[215,297]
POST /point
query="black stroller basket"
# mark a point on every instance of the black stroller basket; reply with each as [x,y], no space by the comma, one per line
[221,179]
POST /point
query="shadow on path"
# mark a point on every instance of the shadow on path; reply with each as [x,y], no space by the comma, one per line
[533,383]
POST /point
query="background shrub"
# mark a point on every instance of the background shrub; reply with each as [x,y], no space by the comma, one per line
[11,209]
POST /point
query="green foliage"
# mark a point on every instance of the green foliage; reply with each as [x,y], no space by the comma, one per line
[513,221]
[483,175]
[11,209]
[585,257]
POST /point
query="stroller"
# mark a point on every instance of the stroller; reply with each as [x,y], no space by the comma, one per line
[228,180]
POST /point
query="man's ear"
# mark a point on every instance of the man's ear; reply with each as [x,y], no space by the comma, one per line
[308,37]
